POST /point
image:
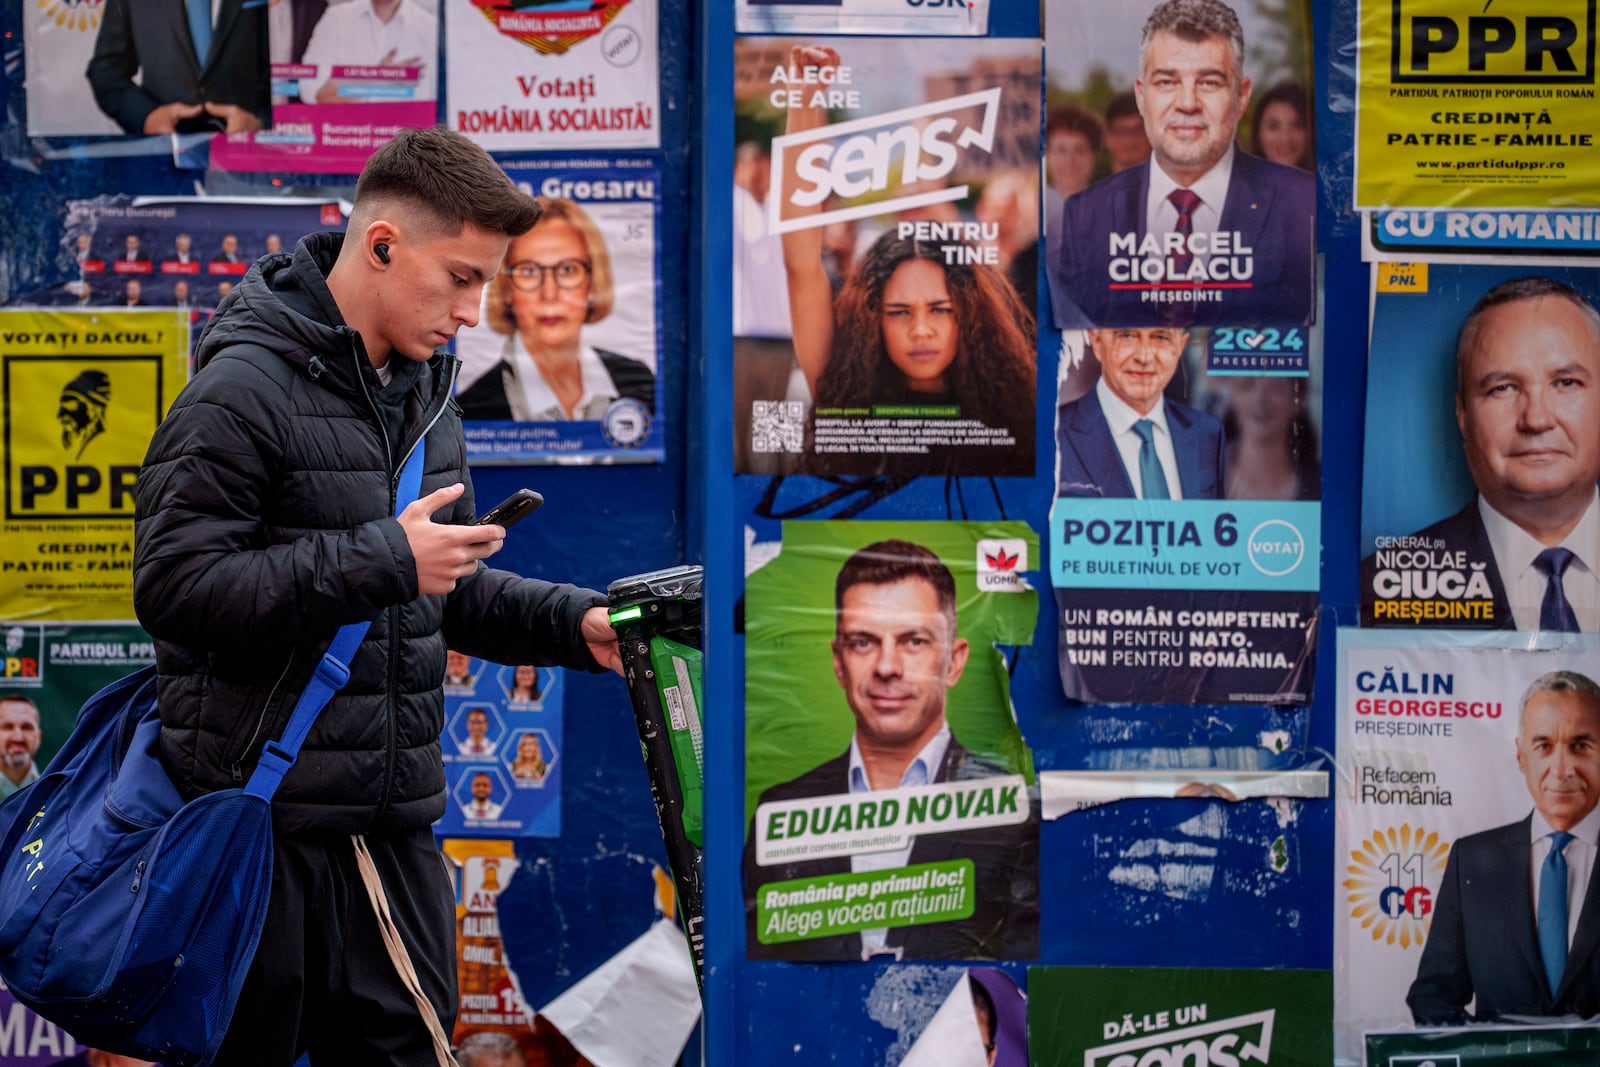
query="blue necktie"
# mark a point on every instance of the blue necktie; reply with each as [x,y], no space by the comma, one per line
[1152,480]
[200,28]
[1553,910]
[1555,611]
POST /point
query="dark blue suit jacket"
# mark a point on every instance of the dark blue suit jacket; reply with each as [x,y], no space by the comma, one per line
[1272,207]
[1091,466]
[1484,942]
[152,37]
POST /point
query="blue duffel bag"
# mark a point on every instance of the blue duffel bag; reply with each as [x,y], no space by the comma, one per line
[127,916]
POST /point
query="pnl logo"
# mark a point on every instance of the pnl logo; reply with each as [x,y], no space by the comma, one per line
[1387,883]
[1000,565]
[1501,43]
[23,662]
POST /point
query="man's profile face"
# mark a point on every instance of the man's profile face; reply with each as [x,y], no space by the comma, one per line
[434,286]
[131,242]
[1558,752]
[477,724]
[83,243]
[1529,406]
[1138,364]
[482,787]
[181,242]
[180,290]
[1191,101]
[230,244]
[19,733]
[896,655]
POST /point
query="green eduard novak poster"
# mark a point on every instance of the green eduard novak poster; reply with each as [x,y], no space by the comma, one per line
[891,800]
[1148,1016]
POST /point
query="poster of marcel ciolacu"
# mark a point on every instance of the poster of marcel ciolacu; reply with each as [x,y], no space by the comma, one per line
[564,366]
[1460,755]
[1209,1017]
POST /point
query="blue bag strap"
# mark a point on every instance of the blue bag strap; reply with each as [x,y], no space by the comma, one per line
[332,673]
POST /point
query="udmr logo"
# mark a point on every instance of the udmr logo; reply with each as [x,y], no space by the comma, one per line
[76,429]
[1001,562]
[1500,43]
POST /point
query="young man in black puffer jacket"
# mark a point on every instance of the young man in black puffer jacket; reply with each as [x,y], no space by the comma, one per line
[265,522]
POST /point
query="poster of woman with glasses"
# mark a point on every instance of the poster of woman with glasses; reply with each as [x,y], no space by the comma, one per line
[562,366]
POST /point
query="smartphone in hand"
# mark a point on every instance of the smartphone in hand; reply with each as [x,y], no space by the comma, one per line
[517,506]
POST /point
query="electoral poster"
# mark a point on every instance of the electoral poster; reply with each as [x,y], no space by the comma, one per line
[890,796]
[1485,376]
[1143,1016]
[1468,105]
[346,77]
[1181,161]
[554,76]
[1185,532]
[1461,756]
[916,17]
[82,394]
[885,204]
[502,749]
[565,364]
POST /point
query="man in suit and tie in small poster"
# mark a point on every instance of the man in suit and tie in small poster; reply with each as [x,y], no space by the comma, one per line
[1124,438]
[201,65]
[1516,924]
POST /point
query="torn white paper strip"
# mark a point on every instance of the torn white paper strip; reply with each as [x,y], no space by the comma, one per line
[1063,792]
[951,1038]
[638,1008]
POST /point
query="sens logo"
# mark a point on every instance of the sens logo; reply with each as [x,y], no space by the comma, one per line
[1000,565]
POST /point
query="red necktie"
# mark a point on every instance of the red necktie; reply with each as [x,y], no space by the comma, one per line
[1185,200]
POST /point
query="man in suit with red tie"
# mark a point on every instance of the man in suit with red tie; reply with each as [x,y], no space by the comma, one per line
[1516,926]
[1203,233]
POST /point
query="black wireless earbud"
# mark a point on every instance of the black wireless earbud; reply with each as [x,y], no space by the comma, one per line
[382,252]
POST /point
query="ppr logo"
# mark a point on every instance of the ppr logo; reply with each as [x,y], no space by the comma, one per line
[1499,44]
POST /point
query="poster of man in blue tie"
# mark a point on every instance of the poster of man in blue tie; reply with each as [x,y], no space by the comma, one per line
[1487,377]
[1469,771]
[1184,534]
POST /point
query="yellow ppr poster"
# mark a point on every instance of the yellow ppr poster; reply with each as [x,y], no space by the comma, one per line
[82,394]
[1467,103]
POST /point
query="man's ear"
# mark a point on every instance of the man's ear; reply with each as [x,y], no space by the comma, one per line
[958,662]
[838,663]
[379,233]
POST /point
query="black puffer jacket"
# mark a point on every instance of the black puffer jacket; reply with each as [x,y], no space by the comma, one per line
[265,522]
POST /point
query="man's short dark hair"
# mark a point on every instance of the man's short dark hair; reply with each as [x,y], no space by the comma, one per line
[1122,105]
[1531,287]
[1074,119]
[6,698]
[446,176]
[886,562]
[1195,20]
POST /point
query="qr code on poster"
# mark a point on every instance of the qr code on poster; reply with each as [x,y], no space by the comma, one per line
[777,426]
